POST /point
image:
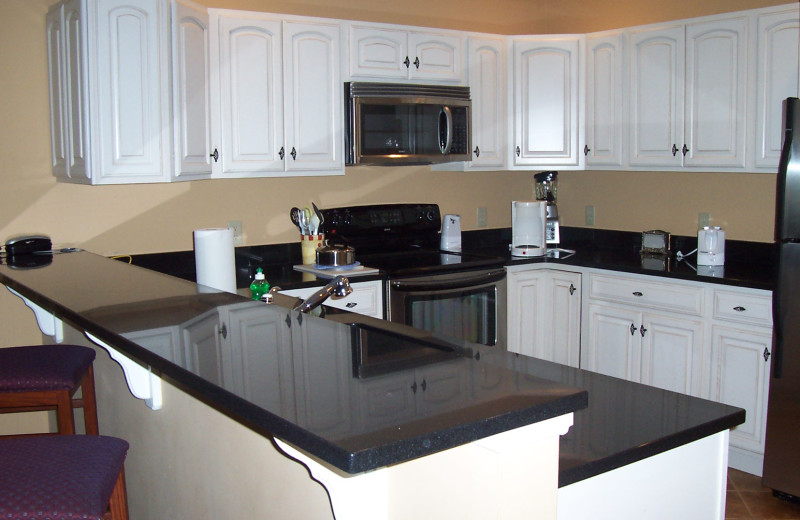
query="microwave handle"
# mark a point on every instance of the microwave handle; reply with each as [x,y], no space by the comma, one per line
[444,146]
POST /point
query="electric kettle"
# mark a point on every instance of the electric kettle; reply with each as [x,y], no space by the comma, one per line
[711,246]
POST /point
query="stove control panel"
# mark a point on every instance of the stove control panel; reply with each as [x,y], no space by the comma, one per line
[410,222]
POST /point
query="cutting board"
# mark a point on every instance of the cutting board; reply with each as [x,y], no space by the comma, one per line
[328,272]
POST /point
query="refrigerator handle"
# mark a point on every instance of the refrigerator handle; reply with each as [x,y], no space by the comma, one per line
[777,337]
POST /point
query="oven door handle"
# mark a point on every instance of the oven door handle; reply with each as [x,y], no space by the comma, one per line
[460,283]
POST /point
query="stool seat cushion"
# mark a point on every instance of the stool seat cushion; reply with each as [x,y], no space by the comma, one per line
[58,477]
[43,367]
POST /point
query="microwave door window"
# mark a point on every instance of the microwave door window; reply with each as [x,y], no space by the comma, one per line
[385,130]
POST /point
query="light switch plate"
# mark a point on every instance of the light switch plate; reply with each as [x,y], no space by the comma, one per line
[481,217]
[590,215]
[703,220]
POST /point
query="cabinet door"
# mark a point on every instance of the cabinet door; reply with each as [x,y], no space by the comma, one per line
[546,102]
[56,70]
[487,82]
[524,309]
[604,100]
[777,79]
[250,96]
[656,96]
[671,353]
[313,98]
[366,298]
[563,332]
[435,56]
[191,91]
[740,377]
[613,343]
[378,53]
[131,130]
[75,91]
[716,88]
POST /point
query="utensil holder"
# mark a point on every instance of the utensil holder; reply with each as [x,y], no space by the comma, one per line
[309,245]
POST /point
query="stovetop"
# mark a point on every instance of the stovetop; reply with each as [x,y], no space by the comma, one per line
[399,239]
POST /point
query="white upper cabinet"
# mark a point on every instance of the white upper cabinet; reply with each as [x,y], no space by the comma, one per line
[777,78]
[656,96]
[278,96]
[123,76]
[313,98]
[716,88]
[393,52]
[546,106]
[191,95]
[487,82]
[248,95]
[605,83]
[688,95]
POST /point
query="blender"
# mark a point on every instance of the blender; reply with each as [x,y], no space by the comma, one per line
[546,184]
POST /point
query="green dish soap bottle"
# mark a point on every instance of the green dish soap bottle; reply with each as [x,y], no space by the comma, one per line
[260,286]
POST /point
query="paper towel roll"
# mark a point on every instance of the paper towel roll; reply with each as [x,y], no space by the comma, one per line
[214,258]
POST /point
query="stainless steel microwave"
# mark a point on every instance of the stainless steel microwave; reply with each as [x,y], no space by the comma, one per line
[392,124]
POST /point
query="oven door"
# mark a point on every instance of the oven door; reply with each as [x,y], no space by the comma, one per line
[466,305]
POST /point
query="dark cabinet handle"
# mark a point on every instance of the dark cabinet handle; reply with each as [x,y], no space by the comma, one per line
[571,289]
[674,150]
[414,387]
[350,305]
[637,294]
[223,331]
[477,152]
[633,329]
[766,354]
[424,385]
[215,155]
[282,153]
[642,330]
[407,62]
[416,62]
[586,149]
[518,151]
[293,153]
[739,309]
[685,150]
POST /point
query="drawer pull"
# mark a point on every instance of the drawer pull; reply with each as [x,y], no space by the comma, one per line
[638,294]
[739,308]
[766,354]
[350,305]
[571,289]
[642,330]
[633,329]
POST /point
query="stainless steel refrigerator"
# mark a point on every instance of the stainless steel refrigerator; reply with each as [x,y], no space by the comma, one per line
[782,453]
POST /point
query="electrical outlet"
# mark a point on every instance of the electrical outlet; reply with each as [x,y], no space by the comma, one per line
[238,237]
[481,217]
[703,220]
[590,215]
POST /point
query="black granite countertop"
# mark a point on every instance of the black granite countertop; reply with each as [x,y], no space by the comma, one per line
[748,264]
[322,382]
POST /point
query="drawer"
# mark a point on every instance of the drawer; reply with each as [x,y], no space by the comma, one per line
[755,309]
[366,298]
[665,296]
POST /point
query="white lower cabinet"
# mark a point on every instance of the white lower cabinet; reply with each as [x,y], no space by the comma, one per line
[544,309]
[366,298]
[646,347]
[706,340]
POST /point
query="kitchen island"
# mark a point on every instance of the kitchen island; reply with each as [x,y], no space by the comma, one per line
[353,393]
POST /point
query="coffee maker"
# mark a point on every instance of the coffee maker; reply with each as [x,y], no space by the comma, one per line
[546,184]
[528,220]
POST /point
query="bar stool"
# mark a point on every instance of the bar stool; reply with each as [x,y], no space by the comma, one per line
[46,377]
[63,476]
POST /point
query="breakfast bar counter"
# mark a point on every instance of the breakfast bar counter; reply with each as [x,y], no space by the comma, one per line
[344,393]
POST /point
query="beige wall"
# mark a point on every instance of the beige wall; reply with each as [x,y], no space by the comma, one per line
[148,218]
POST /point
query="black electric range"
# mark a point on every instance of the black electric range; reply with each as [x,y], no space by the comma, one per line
[400,239]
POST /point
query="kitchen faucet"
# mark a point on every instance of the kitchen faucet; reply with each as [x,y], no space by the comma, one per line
[339,287]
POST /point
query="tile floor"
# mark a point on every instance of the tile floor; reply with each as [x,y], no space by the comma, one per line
[747,500]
